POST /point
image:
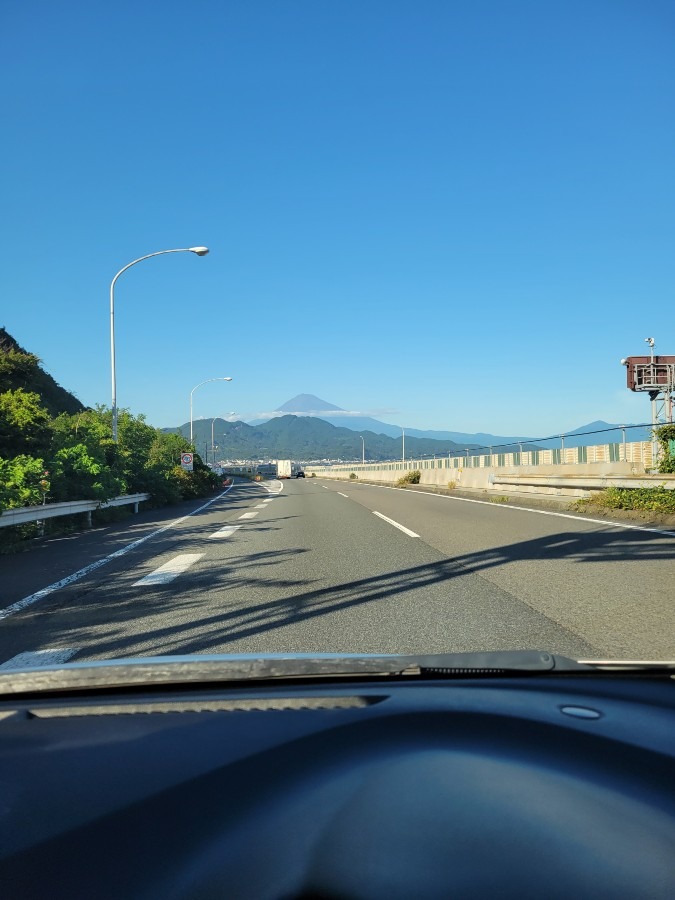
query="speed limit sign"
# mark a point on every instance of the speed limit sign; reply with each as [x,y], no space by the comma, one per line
[186,461]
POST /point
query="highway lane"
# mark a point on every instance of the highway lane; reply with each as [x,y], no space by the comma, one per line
[312,568]
[613,584]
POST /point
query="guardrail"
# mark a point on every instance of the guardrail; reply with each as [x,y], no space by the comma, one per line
[69,508]
[589,482]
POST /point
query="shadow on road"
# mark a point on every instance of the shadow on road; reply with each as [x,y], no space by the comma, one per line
[249,596]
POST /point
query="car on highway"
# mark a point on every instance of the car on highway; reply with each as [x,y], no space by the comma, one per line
[299,474]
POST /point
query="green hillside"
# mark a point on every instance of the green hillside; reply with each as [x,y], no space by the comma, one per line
[53,450]
[20,370]
[303,438]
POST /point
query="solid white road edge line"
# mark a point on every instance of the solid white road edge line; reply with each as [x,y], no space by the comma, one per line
[69,579]
[34,659]
[539,512]
[396,524]
[170,570]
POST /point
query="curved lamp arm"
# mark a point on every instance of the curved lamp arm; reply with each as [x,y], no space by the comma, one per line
[199,251]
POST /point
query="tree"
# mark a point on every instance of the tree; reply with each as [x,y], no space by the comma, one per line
[24,423]
[665,435]
[77,475]
[20,479]
[17,369]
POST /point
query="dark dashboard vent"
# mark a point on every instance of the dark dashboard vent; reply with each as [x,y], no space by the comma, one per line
[255,704]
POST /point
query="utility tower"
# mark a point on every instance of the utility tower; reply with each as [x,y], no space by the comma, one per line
[654,375]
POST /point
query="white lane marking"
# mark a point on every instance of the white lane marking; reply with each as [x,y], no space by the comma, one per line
[249,515]
[343,495]
[34,659]
[260,505]
[170,570]
[276,487]
[69,579]
[227,531]
[269,500]
[539,512]
[396,524]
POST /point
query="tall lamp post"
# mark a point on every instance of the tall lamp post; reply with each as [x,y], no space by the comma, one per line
[194,389]
[363,449]
[199,251]
[403,448]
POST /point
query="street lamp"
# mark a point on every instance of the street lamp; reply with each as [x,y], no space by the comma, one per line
[363,448]
[199,251]
[403,447]
[194,389]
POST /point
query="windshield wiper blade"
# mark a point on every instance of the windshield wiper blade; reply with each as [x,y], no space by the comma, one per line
[204,669]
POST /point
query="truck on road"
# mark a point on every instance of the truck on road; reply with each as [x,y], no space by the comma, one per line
[284,468]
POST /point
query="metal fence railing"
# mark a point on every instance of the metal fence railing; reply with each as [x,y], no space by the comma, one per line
[522,453]
[70,508]
[639,453]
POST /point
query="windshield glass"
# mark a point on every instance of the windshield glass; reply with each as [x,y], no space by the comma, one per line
[337,328]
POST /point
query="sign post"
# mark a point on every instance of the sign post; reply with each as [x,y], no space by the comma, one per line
[187,461]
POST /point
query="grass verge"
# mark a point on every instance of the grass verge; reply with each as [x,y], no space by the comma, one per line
[655,499]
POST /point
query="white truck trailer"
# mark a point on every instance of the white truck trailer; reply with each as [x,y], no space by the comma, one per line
[284,468]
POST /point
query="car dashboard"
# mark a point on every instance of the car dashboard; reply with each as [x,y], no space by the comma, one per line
[350,788]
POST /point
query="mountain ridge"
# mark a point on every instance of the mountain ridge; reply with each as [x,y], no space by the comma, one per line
[309,405]
[303,437]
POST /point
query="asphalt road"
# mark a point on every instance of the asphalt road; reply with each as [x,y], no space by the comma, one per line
[323,566]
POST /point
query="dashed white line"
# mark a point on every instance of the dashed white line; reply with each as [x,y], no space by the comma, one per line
[529,509]
[248,515]
[396,524]
[170,570]
[33,659]
[269,500]
[343,495]
[225,532]
[260,505]
[69,579]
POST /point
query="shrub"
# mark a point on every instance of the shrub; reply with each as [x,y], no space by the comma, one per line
[452,485]
[409,478]
[665,436]
[353,476]
[655,499]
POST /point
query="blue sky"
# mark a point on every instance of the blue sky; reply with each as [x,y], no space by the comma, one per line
[459,213]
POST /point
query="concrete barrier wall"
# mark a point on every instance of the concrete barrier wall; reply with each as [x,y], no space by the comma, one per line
[574,472]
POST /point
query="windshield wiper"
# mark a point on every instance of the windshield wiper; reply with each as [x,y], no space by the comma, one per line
[162,671]
[204,669]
